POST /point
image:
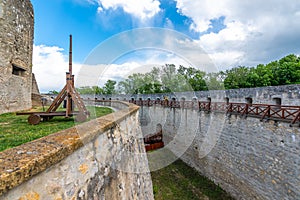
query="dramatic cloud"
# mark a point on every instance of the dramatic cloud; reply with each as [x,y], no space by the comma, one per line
[254,31]
[231,32]
[141,9]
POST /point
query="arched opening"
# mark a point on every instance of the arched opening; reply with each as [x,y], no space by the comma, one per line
[249,100]
[277,101]
[226,100]
[158,128]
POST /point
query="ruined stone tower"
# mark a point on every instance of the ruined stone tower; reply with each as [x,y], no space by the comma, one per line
[16,43]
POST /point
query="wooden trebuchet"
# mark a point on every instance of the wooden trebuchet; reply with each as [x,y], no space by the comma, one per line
[68,93]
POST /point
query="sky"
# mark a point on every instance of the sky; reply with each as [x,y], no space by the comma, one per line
[115,38]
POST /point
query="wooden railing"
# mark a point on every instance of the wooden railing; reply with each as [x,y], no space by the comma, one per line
[284,113]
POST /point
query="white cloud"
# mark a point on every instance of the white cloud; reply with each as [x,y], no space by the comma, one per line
[100,73]
[141,9]
[50,66]
[202,11]
[169,24]
[256,31]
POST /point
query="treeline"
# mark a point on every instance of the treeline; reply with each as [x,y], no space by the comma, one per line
[282,72]
[168,78]
[160,80]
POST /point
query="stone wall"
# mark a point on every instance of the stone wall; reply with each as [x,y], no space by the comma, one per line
[101,159]
[248,158]
[289,95]
[36,97]
[16,43]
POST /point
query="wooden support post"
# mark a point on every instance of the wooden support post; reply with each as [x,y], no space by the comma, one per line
[297,117]
[69,99]
[70,56]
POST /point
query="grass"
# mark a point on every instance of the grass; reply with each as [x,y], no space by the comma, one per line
[179,181]
[15,130]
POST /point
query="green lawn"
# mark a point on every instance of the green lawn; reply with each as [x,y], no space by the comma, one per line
[179,181]
[15,130]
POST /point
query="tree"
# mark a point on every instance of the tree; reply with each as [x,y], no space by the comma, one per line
[172,81]
[109,87]
[195,78]
[288,71]
[265,75]
[237,78]
[214,81]
[53,92]
[85,90]
[97,90]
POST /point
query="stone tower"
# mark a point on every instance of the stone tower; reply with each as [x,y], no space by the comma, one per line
[16,43]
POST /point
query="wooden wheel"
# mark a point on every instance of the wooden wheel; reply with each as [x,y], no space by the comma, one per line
[34,119]
[81,117]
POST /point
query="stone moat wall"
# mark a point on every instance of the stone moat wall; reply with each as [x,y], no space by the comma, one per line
[288,95]
[248,158]
[16,44]
[101,159]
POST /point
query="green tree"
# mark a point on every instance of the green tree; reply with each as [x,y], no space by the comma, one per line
[97,90]
[214,81]
[85,90]
[195,78]
[173,81]
[237,78]
[53,92]
[109,87]
[288,70]
[264,75]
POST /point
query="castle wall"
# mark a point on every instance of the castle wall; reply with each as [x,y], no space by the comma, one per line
[16,43]
[100,159]
[289,95]
[248,158]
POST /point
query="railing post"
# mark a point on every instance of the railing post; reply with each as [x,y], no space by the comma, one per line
[297,117]
[246,109]
[229,108]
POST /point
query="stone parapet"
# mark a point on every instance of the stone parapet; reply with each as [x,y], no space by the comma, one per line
[102,158]
[288,95]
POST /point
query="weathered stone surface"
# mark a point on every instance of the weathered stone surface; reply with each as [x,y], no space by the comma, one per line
[248,158]
[16,43]
[289,94]
[100,159]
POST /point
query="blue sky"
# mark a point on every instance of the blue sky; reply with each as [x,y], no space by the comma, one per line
[231,32]
[56,19]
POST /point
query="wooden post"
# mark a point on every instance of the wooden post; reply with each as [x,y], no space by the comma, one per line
[70,82]
[69,98]
[70,56]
